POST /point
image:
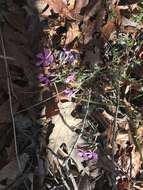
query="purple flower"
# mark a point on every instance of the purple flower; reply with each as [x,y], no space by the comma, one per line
[45,58]
[70,78]
[67,55]
[68,92]
[88,155]
[43,79]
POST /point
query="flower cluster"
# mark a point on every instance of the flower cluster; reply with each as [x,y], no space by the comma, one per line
[66,56]
[88,155]
[47,59]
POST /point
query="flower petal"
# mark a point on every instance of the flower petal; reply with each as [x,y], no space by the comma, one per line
[81,154]
[70,78]
[95,156]
[46,52]
[39,63]
[50,59]
[68,92]
[89,155]
[40,55]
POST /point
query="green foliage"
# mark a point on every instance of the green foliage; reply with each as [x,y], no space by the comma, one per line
[139,17]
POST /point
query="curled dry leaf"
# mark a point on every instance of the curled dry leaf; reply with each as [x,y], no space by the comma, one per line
[136,162]
[128,22]
[72,33]
[71,4]
[128,156]
[57,6]
[64,133]
[107,30]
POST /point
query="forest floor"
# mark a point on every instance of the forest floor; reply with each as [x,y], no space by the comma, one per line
[71,95]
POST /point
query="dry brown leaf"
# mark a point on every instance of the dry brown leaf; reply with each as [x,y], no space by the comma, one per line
[126,152]
[53,109]
[136,162]
[131,7]
[72,33]
[71,4]
[57,6]
[107,30]
[64,133]
[123,184]
[128,22]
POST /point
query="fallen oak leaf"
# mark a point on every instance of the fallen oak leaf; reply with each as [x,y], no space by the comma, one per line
[127,22]
[107,30]
[64,133]
[72,33]
[57,6]
[71,4]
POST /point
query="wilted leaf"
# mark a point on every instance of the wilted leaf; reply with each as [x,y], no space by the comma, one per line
[53,109]
[64,133]
[127,22]
[136,163]
[72,33]
[107,30]
[57,6]
[71,4]
[122,184]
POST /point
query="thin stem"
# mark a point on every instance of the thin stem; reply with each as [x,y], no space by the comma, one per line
[82,129]
[10,101]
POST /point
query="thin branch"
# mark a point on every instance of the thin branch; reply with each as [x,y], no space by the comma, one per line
[114,131]
[8,58]
[115,122]
[10,101]
[82,129]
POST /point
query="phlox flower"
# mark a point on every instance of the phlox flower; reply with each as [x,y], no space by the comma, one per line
[45,58]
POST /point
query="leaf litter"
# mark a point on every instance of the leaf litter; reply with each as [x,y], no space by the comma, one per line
[71,94]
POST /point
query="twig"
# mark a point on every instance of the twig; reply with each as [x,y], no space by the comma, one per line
[132,128]
[57,92]
[82,129]
[43,101]
[10,101]
[114,132]
[9,58]
[115,123]
[10,104]
[39,103]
